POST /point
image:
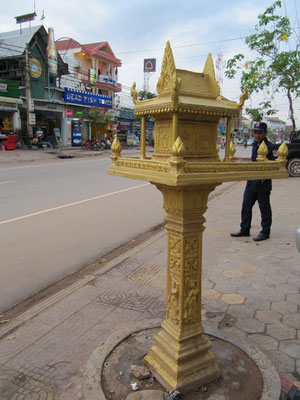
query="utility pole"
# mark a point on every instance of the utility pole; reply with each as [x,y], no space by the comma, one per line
[28,95]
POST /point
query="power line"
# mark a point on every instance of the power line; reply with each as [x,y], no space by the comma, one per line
[182,46]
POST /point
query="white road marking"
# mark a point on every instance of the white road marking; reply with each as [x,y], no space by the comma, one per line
[3,183]
[53,164]
[72,204]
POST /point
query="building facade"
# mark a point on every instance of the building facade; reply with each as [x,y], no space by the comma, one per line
[275,125]
[86,78]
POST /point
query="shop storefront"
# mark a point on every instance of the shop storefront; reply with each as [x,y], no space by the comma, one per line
[78,130]
[9,101]
[49,124]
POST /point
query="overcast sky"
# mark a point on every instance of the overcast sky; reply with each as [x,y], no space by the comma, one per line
[138,29]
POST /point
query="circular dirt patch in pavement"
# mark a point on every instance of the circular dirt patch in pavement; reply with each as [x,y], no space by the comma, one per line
[241,378]
[246,371]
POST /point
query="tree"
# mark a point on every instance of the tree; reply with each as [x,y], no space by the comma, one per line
[274,68]
[144,95]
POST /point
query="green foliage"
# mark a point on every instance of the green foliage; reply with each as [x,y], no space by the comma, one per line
[144,95]
[274,68]
[94,116]
[257,114]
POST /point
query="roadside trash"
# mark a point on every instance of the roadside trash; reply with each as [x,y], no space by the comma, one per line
[4,320]
[11,337]
[134,386]
[174,395]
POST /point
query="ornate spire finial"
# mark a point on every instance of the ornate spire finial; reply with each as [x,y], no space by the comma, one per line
[232,151]
[209,69]
[168,79]
[262,152]
[282,152]
[178,149]
[134,93]
[116,148]
[243,97]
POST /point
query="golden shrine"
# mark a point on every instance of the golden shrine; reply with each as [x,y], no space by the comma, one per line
[186,167]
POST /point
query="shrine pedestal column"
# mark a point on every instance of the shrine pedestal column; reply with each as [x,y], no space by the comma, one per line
[181,358]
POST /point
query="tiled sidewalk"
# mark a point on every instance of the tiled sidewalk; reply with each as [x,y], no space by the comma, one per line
[250,289]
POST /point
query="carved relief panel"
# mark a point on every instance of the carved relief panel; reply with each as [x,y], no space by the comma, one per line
[199,138]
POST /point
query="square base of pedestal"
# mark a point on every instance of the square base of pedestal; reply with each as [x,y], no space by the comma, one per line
[188,376]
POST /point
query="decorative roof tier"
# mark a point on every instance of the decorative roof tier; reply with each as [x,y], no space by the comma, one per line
[186,112]
[187,92]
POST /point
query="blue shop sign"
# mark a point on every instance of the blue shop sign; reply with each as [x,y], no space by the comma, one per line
[79,97]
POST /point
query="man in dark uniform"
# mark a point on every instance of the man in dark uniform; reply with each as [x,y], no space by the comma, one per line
[259,190]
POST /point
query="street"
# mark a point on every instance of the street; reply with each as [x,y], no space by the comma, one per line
[57,218]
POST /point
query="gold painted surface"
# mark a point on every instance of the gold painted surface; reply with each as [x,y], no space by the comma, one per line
[185,167]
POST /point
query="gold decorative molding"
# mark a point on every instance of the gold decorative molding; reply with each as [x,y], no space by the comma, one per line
[116,149]
[262,152]
[282,152]
[232,151]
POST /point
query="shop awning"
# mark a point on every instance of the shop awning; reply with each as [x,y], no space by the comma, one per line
[10,100]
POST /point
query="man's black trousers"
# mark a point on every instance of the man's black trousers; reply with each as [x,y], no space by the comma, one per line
[263,198]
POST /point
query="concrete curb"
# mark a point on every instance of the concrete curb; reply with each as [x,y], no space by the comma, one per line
[91,384]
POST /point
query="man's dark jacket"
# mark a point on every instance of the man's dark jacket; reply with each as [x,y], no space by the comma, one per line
[266,184]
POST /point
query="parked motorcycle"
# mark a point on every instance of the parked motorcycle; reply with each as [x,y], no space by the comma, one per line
[93,144]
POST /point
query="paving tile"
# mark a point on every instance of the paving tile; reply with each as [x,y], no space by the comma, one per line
[233,273]
[292,319]
[261,286]
[45,349]
[255,277]
[250,325]
[257,303]
[282,255]
[62,310]
[283,307]
[263,341]
[206,284]
[20,339]
[298,367]
[282,362]
[281,331]
[268,316]
[272,295]
[247,268]
[211,294]
[234,332]
[216,307]
[291,348]
[275,279]
[225,288]
[294,298]
[240,311]
[287,288]
[249,292]
[232,298]
[295,281]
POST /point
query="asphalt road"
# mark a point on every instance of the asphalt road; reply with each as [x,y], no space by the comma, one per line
[58,217]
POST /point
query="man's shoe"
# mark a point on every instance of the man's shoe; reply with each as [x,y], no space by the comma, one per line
[239,234]
[261,236]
